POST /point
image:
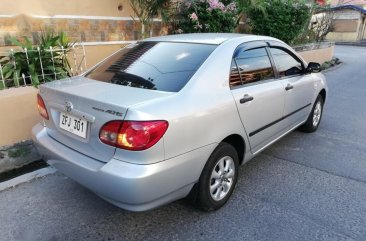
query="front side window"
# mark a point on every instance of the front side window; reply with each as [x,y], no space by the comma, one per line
[164,66]
[286,64]
[253,65]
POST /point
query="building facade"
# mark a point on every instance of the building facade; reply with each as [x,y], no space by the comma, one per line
[349,23]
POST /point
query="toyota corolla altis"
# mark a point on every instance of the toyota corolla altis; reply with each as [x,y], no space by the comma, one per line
[174,116]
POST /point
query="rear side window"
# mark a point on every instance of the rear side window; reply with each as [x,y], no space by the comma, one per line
[253,65]
[286,64]
[235,79]
[163,66]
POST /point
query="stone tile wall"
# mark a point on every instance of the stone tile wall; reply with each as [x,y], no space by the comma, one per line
[79,30]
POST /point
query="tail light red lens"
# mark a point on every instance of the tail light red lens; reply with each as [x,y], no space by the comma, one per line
[42,107]
[133,135]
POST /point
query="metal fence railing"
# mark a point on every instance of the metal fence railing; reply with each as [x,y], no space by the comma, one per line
[22,67]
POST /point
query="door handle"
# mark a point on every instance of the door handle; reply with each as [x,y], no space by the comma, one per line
[289,87]
[246,98]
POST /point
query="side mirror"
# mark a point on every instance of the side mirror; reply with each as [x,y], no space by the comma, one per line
[313,68]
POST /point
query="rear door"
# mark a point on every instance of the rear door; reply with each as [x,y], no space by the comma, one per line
[259,96]
[299,87]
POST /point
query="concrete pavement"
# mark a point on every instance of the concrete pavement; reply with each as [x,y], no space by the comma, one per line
[304,187]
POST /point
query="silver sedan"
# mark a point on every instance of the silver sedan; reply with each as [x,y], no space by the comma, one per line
[174,116]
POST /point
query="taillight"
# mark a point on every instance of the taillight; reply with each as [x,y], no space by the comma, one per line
[133,135]
[42,107]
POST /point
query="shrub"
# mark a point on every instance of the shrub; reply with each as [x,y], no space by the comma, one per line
[282,19]
[37,63]
[203,16]
[305,37]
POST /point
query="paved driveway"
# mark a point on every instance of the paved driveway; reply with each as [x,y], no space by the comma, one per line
[305,187]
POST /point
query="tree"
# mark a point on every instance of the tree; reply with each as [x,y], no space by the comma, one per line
[245,5]
[146,10]
[323,23]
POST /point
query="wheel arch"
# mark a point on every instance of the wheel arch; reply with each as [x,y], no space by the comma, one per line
[237,141]
[323,94]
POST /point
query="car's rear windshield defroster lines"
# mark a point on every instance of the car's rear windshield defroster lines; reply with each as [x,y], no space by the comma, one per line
[130,57]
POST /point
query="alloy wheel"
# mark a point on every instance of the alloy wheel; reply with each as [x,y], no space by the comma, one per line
[317,113]
[222,177]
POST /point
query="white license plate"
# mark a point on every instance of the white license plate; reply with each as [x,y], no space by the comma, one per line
[73,124]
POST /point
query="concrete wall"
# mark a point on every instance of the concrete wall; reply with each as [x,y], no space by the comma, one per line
[345,25]
[96,53]
[339,36]
[18,108]
[318,55]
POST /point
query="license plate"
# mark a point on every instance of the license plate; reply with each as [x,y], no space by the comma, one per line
[73,124]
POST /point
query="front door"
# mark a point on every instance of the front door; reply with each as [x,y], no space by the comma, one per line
[299,87]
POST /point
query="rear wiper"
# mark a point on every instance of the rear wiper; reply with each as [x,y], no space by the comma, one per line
[127,79]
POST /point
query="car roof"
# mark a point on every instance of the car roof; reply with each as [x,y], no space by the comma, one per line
[207,38]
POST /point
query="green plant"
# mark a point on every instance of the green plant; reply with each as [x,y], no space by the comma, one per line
[146,11]
[328,64]
[306,36]
[283,19]
[45,62]
[205,16]
[246,5]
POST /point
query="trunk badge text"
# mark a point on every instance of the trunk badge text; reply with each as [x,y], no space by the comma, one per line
[112,112]
[68,106]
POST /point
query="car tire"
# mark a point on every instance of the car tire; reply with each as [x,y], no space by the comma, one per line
[217,180]
[315,116]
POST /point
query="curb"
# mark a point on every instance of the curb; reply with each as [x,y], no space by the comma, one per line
[332,68]
[26,178]
[351,44]
[17,155]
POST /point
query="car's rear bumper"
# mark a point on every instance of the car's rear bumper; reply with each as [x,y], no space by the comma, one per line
[129,186]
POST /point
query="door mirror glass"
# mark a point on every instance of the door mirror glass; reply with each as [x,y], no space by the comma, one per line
[313,67]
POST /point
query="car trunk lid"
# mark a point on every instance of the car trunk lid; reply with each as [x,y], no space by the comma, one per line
[93,103]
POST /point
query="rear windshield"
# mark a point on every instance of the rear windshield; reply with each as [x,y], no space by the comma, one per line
[163,66]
